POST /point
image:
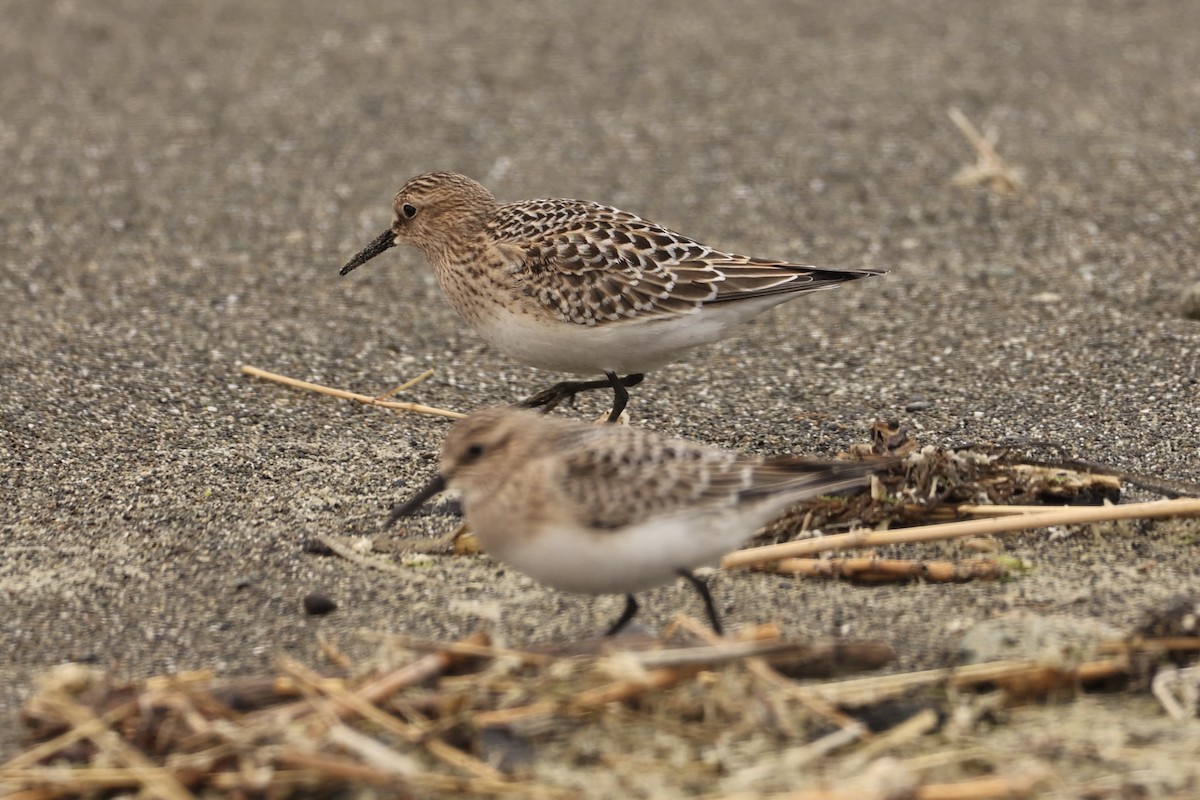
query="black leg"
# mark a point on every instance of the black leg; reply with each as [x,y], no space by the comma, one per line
[702,588]
[620,396]
[631,608]
[548,399]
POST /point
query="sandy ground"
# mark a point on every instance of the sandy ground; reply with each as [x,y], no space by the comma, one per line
[181,182]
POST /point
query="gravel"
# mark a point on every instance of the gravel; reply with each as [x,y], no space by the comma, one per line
[182,181]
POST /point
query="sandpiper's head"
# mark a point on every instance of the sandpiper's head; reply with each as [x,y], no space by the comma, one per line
[482,450]
[429,212]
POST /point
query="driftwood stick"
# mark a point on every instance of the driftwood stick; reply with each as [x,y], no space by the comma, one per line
[1074,515]
[883,569]
[366,400]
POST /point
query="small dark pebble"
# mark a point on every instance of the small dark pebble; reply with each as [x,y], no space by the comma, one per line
[316,605]
[316,547]
[918,405]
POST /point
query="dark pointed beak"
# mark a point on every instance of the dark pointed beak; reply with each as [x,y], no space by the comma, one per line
[438,484]
[385,240]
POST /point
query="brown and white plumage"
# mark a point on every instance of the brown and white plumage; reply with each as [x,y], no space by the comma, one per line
[574,286]
[614,509]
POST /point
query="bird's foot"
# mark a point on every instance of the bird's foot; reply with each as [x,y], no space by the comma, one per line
[549,399]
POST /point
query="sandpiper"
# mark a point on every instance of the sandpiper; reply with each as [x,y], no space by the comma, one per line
[613,509]
[574,286]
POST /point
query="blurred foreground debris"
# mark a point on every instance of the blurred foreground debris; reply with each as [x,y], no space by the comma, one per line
[467,718]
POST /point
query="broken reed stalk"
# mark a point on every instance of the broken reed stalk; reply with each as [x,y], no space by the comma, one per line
[911,729]
[408,384]
[975,789]
[588,700]
[884,569]
[712,655]
[457,648]
[1001,788]
[1002,511]
[765,672]
[373,692]
[982,146]
[1152,644]
[659,678]
[415,408]
[348,700]
[155,780]
[859,692]
[407,732]
[77,732]
[1074,515]
[989,167]
[312,764]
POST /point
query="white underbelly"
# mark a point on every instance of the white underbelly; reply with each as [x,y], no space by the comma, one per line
[622,561]
[623,347]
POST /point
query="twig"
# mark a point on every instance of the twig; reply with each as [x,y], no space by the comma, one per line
[715,654]
[78,779]
[157,780]
[406,732]
[1075,515]
[341,768]
[796,759]
[408,384]
[1002,511]
[1001,788]
[382,687]
[988,168]
[882,569]
[348,700]
[466,762]
[1168,487]
[617,691]
[585,701]
[353,771]
[420,670]
[372,563]
[366,400]
[907,731]
[514,715]
[458,648]
[373,751]
[83,731]
[862,691]
[765,672]
[992,788]
[1151,644]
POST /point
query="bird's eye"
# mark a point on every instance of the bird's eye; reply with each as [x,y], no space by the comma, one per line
[474,451]
[408,210]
